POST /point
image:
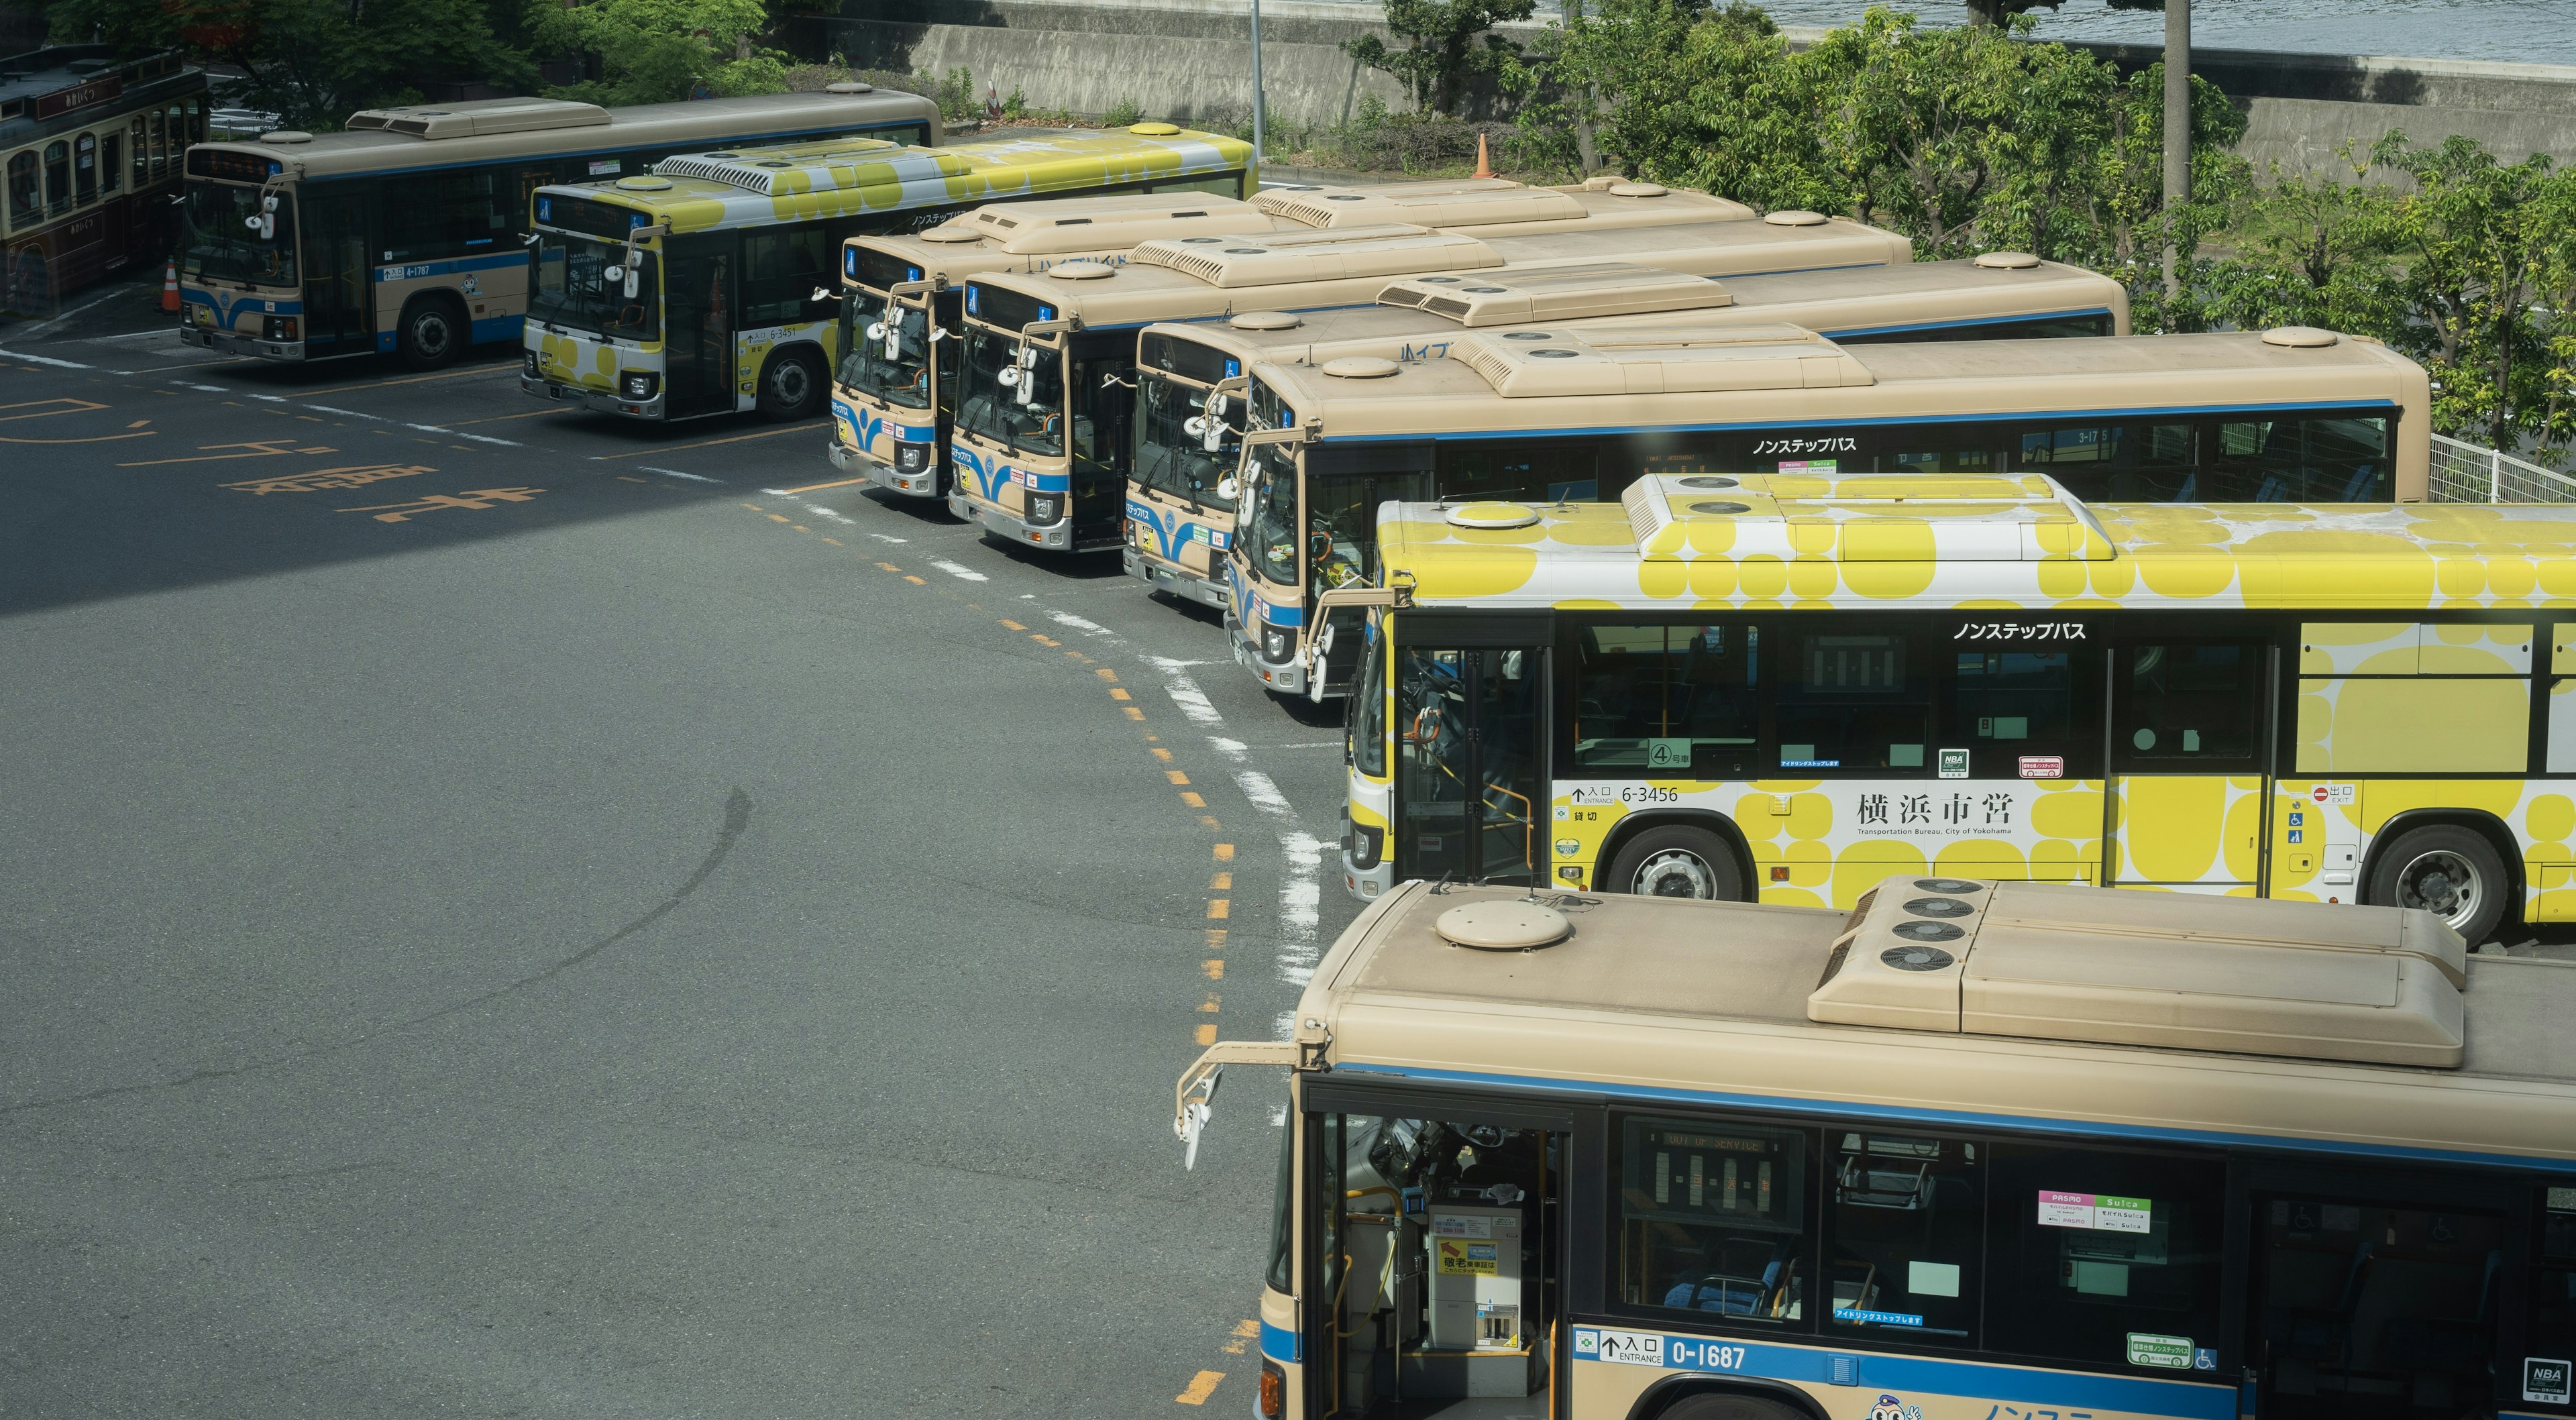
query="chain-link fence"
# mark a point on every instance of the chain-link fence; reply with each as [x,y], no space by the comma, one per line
[2472,473]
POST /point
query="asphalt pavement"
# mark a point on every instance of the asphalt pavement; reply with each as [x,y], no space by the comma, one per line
[510,911]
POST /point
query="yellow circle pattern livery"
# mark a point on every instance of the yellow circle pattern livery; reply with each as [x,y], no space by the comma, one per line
[1791,686]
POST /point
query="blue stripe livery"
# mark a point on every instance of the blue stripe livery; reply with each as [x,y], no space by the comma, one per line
[2067,1391]
[1280,1344]
[990,476]
[451,266]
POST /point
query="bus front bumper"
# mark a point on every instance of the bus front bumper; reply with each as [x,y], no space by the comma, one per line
[1056,536]
[858,465]
[233,342]
[1172,579]
[1288,678]
[599,400]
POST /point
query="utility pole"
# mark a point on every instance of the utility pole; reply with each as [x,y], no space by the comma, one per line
[1256,85]
[2177,130]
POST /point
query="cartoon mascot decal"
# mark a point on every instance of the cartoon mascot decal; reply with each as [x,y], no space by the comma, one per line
[1891,1408]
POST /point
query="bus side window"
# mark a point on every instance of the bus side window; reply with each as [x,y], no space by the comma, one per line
[111,163]
[2010,705]
[2553,1289]
[1855,702]
[2090,1249]
[1680,700]
[780,270]
[2184,706]
[2115,463]
[1712,1219]
[58,177]
[26,197]
[1903,1230]
[2324,459]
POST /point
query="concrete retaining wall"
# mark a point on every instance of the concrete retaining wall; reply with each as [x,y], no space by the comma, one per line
[1188,60]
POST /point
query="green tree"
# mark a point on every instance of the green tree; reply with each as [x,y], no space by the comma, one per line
[315,62]
[2315,247]
[1962,138]
[1448,44]
[653,51]
[2479,240]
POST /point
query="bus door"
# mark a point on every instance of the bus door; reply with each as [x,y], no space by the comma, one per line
[1435,1241]
[2190,752]
[697,326]
[1343,490]
[2378,1296]
[1470,738]
[1101,403]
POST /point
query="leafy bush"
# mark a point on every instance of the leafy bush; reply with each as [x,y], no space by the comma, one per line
[1123,113]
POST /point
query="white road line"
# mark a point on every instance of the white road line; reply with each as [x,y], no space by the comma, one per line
[1087,628]
[281,399]
[958,570]
[451,433]
[210,389]
[1301,892]
[76,310]
[352,413]
[48,360]
[137,334]
[675,473]
[881,537]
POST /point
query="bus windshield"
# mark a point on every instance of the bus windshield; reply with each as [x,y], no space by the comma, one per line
[901,378]
[1026,414]
[219,244]
[1270,515]
[1171,459]
[573,288]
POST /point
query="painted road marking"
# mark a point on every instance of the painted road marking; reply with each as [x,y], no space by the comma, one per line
[318,480]
[819,487]
[457,433]
[352,413]
[1203,1384]
[58,364]
[675,473]
[64,405]
[805,427]
[472,498]
[958,570]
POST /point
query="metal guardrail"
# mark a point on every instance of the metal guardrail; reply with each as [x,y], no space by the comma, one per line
[2463,472]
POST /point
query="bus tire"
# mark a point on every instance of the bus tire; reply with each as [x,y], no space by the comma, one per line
[433,332]
[791,385]
[1723,1406]
[2450,871]
[1674,861]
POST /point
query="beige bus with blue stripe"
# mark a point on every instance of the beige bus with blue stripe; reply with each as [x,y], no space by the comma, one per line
[1968,1150]
[407,233]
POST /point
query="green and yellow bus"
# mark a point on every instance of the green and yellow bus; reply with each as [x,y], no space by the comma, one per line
[710,285]
[1181,484]
[1783,687]
[1975,1149]
[894,402]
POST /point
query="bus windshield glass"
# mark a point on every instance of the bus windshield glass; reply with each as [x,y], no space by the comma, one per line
[1012,398]
[902,377]
[219,243]
[1270,514]
[1172,391]
[573,288]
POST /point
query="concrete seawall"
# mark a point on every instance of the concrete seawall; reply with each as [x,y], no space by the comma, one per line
[1188,60]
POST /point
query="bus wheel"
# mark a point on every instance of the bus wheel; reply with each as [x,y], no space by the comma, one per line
[1726,1407]
[791,386]
[433,333]
[1676,862]
[2449,871]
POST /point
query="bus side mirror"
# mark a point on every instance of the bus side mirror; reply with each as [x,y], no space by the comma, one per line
[634,280]
[1228,489]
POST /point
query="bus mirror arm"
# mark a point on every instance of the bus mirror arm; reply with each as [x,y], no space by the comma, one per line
[1193,1099]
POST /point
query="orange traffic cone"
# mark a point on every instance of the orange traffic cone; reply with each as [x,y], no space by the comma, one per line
[1484,162]
[170,285]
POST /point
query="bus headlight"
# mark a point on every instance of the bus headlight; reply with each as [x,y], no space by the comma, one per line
[1274,643]
[277,328]
[1045,508]
[911,458]
[528,362]
[1366,844]
[639,384]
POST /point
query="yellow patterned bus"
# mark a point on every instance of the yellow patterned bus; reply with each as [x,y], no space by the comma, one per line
[1190,380]
[895,398]
[2289,415]
[708,286]
[1976,1149]
[1784,687]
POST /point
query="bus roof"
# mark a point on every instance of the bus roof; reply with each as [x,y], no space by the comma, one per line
[1025,236]
[1425,311]
[1685,542]
[408,139]
[1669,1000]
[1499,207]
[1201,277]
[740,187]
[1693,374]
